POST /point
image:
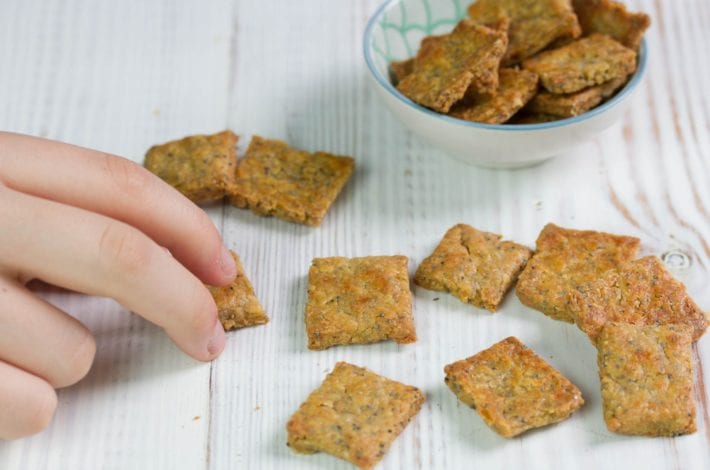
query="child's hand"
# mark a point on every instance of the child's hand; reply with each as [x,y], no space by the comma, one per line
[97,224]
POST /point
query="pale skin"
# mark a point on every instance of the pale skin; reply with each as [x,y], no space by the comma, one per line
[101,225]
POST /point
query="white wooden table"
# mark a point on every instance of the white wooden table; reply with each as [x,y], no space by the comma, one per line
[122,75]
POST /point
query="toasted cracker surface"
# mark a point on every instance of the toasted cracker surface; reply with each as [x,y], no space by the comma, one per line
[613,19]
[355,415]
[237,305]
[646,375]
[294,185]
[200,166]
[640,292]
[515,89]
[573,104]
[445,68]
[359,300]
[477,267]
[533,24]
[565,259]
[586,62]
[512,388]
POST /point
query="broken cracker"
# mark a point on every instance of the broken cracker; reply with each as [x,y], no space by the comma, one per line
[586,62]
[534,24]
[294,185]
[402,68]
[359,300]
[355,415]
[512,388]
[641,292]
[445,68]
[515,89]
[646,375]
[565,259]
[237,305]
[573,104]
[200,166]
[477,267]
[613,19]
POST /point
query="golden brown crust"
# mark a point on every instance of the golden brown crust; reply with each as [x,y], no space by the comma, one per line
[200,166]
[611,18]
[573,104]
[646,375]
[237,304]
[445,67]
[359,300]
[565,259]
[294,185]
[641,292]
[512,388]
[534,24]
[515,89]
[401,68]
[355,415]
[476,267]
[589,61]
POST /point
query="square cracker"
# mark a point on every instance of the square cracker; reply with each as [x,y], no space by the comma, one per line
[573,104]
[359,300]
[641,292]
[294,185]
[611,18]
[515,89]
[586,62]
[565,259]
[355,415]
[512,388]
[646,375]
[200,166]
[534,24]
[477,267]
[237,304]
[446,66]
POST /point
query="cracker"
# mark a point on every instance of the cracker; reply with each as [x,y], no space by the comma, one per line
[476,267]
[589,61]
[646,377]
[534,24]
[573,104]
[401,68]
[200,166]
[565,259]
[294,185]
[512,388]
[641,292]
[359,300]
[444,69]
[525,117]
[515,89]
[355,415]
[237,304]
[611,18]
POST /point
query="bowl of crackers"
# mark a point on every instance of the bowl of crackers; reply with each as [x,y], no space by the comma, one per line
[506,83]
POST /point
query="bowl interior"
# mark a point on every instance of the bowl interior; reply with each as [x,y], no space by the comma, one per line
[399,27]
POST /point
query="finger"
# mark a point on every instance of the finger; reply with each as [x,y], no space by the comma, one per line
[121,190]
[90,253]
[27,403]
[41,339]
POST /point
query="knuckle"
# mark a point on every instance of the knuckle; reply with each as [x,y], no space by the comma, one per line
[124,249]
[79,360]
[129,177]
[203,311]
[44,406]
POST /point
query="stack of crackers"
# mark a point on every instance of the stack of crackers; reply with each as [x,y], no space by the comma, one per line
[525,61]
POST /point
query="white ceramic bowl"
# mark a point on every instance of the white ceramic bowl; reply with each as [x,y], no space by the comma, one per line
[394,33]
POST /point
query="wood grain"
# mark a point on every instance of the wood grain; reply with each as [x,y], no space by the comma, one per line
[121,76]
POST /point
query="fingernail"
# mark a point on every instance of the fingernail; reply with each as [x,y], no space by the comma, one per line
[227,263]
[216,343]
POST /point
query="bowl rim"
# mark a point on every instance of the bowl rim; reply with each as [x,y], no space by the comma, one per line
[387,85]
